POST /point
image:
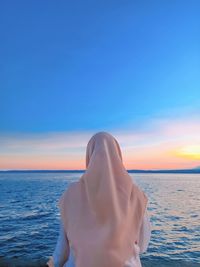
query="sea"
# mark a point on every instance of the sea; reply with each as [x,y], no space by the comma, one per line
[29,217]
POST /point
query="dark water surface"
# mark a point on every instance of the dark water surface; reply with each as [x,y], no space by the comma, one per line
[29,218]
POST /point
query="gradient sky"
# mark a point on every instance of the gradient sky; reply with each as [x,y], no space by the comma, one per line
[71,68]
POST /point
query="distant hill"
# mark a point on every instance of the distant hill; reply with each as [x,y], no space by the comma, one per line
[198,168]
[195,170]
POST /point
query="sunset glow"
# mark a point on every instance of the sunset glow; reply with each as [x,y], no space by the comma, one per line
[167,145]
[190,152]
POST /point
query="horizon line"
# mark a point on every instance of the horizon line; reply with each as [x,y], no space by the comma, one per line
[188,170]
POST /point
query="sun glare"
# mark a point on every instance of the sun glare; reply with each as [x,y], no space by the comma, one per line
[192,152]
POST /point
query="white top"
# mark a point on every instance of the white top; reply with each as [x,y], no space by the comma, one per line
[60,254]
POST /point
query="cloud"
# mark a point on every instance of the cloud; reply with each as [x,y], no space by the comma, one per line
[156,145]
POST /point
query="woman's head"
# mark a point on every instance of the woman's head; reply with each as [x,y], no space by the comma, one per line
[101,143]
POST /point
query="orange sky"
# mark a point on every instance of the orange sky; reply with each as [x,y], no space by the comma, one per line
[162,144]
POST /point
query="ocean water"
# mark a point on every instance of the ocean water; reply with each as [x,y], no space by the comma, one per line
[29,217]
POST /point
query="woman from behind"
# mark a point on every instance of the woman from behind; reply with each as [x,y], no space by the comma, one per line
[104,221]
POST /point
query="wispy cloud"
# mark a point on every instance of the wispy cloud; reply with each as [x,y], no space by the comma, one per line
[160,143]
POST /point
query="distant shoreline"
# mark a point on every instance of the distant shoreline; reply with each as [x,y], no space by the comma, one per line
[197,171]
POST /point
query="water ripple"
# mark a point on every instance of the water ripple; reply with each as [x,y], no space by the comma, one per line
[29,219]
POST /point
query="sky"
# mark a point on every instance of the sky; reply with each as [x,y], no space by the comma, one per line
[69,69]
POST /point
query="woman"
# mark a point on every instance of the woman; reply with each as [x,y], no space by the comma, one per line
[104,220]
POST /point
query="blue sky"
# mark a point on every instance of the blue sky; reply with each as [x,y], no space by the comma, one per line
[78,65]
[87,66]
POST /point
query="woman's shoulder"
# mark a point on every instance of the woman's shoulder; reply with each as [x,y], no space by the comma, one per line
[69,191]
[140,191]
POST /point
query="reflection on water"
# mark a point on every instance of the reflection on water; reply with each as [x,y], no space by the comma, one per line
[29,218]
[175,212]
